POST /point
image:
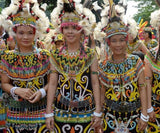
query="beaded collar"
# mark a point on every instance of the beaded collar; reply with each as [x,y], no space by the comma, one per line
[72,64]
[27,66]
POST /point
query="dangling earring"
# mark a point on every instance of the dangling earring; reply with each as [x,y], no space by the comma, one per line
[16,46]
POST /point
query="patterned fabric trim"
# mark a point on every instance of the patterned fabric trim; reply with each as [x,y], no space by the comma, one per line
[23,112]
[72,118]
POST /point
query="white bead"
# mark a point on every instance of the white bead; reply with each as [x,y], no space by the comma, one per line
[48,115]
[144,118]
[150,109]
[43,92]
[97,114]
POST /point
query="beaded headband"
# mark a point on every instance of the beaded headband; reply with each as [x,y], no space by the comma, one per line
[147,29]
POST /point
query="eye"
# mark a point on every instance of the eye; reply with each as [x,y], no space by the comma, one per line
[21,32]
[122,39]
[30,32]
[113,41]
[66,27]
[74,27]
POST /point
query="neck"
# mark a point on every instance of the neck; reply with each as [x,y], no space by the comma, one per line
[73,47]
[26,49]
[147,39]
[118,58]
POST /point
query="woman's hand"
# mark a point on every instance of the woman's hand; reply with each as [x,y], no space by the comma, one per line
[142,125]
[96,122]
[50,123]
[24,93]
[152,116]
[35,97]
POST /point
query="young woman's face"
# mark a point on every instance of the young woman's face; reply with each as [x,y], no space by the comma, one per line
[118,44]
[25,36]
[145,35]
[71,34]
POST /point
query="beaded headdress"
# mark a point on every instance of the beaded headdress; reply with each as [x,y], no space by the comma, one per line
[72,12]
[112,22]
[59,37]
[147,29]
[25,12]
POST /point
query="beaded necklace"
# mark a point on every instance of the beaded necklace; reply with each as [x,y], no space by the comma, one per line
[120,74]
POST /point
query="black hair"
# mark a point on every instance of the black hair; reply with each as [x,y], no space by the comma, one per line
[139,54]
[149,33]
[135,39]
[69,7]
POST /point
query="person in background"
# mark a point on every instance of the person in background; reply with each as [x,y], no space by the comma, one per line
[11,45]
[3,102]
[25,69]
[134,43]
[74,87]
[59,41]
[147,36]
[152,75]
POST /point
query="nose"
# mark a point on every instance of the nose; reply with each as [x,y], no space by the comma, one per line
[118,43]
[25,36]
[70,30]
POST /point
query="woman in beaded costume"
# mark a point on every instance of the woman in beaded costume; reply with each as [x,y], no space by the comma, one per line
[74,66]
[152,74]
[123,92]
[134,43]
[2,94]
[147,36]
[25,69]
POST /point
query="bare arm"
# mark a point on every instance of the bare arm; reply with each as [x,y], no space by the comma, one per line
[96,121]
[102,94]
[148,76]
[143,97]
[95,85]
[143,93]
[53,81]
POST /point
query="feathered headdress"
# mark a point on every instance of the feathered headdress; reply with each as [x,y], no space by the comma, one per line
[73,12]
[111,24]
[111,21]
[132,27]
[25,12]
[155,19]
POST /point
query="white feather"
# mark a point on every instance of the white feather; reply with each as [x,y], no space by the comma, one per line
[96,6]
[44,6]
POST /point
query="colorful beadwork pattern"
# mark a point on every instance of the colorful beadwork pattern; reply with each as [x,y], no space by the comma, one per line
[26,71]
[122,98]
[74,102]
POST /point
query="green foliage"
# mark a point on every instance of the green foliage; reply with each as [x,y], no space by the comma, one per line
[145,8]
